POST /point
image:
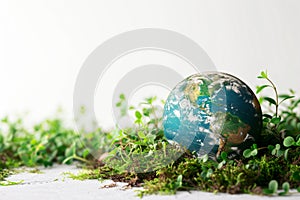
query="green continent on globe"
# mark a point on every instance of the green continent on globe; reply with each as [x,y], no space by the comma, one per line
[212,112]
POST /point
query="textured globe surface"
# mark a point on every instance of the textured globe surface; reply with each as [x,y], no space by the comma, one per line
[212,112]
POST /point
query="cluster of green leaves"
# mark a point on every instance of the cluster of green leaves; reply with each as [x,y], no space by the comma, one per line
[44,143]
[281,133]
[141,148]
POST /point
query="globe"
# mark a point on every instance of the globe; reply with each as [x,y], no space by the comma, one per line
[212,112]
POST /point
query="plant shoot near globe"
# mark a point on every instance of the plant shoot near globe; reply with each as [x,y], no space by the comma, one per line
[212,112]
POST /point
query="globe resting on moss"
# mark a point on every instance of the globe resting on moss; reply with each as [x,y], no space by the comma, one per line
[212,112]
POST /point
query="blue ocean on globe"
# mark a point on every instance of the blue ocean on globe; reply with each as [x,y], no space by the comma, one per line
[212,112]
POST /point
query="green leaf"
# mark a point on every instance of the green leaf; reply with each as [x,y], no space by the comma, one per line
[254,152]
[286,188]
[273,185]
[221,164]
[298,126]
[268,191]
[151,99]
[204,158]
[254,146]
[283,96]
[286,153]
[122,96]
[247,153]
[270,147]
[274,151]
[85,153]
[138,115]
[286,98]
[264,74]
[209,173]
[298,143]
[141,134]
[288,141]
[131,108]
[179,181]
[146,112]
[260,100]
[276,120]
[224,155]
[260,88]
[270,100]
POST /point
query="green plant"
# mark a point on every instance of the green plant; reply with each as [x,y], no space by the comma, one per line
[141,155]
[250,152]
[273,186]
[272,189]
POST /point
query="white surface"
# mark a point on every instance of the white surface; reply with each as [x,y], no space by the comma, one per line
[44,43]
[45,186]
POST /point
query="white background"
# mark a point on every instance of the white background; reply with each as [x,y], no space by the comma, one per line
[44,43]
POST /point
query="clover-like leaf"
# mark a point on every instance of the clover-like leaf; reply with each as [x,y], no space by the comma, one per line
[273,186]
[254,152]
[286,188]
[247,153]
[288,141]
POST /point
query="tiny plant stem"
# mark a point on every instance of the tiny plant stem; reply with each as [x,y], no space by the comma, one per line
[155,116]
[276,94]
[81,159]
[261,148]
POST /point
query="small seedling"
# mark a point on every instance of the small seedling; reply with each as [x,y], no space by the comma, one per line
[286,188]
[272,189]
[250,152]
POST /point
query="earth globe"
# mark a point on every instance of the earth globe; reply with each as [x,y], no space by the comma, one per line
[212,112]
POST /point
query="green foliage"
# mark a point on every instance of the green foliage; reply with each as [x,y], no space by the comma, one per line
[44,144]
[290,141]
[250,152]
[141,155]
